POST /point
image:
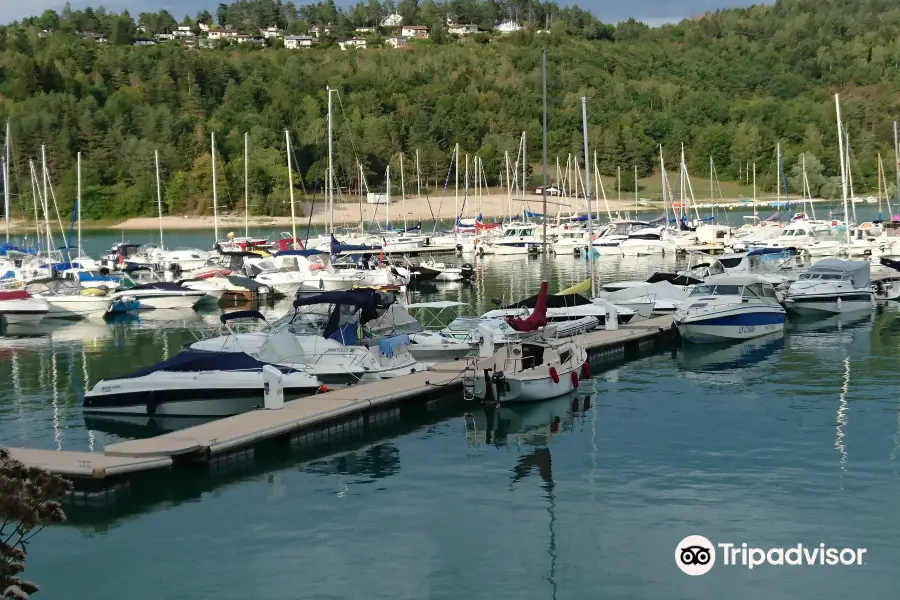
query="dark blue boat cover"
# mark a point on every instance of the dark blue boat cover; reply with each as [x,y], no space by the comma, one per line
[199,360]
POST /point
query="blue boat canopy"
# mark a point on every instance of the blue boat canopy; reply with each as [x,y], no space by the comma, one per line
[366,301]
[337,246]
[308,252]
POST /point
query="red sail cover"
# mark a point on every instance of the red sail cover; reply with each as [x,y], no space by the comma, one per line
[536,319]
[482,226]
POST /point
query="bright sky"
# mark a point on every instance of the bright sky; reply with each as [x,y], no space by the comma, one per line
[653,12]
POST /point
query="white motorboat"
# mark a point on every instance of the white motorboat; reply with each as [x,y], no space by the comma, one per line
[831,286]
[195,384]
[517,238]
[327,341]
[646,242]
[162,295]
[18,306]
[570,241]
[568,307]
[307,271]
[729,307]
[68,300]
[616,232]
[528,370]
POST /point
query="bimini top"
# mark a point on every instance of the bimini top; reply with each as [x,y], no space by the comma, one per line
[367,301]
[857,270]
[554,301]
[198,360]
[735,280]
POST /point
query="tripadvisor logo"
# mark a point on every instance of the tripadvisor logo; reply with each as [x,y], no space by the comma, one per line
[696,555]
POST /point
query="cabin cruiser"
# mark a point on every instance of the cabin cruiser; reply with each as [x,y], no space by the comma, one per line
[161,295]
[646,242]
[729,307]
[831,286]
[18,306]
[292,271]
[528,370]
[569,241]
[325,336]
[195,384]
[570,307]
[517,238]
[616,232]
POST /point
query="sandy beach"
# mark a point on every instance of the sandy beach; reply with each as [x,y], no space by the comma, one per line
[415,209]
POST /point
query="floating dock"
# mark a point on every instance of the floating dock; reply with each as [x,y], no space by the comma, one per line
[99,478]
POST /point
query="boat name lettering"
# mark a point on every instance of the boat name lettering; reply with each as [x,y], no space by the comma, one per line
[746,328]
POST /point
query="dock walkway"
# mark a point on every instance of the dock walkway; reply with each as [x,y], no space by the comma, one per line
[306,420]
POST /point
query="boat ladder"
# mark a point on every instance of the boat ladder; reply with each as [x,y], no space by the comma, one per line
[468,378]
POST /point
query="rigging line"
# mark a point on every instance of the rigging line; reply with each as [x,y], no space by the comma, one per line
[349,133]
[315,193]
[443,193]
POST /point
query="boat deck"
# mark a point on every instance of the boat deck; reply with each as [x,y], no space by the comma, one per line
[340,410]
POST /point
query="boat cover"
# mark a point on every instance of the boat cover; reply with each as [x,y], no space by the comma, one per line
[337,247]
[858,270]
[365,300]
[555,301]
[893,264]
[198,360]
[673,278]
[538,318]
[388,346]
[15,295]
[166,286]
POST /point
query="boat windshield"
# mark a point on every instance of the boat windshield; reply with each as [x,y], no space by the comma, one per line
[822,276]
[716,290]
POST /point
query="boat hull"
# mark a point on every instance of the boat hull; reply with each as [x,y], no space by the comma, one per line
[730,326]
[76,307]
[169,301]
[530,390]
[830,304]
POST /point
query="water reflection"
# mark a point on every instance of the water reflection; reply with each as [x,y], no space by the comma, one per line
[530,424]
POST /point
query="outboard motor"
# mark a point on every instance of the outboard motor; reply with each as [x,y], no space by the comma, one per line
[467,271]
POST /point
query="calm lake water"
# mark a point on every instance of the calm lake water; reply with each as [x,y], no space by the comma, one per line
[773,443]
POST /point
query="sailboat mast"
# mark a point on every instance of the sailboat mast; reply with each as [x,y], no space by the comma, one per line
[158,199]
[879,181]
[544,141]
[387,217]
[215,197]
[246,185]
[45,200]
[6,150]
[755,209]
[711,188]
[402,193]
[34,196]
[777,174]
[837,108]
[896,161]
[329,190]
[287,139]
[418,177]
[618,183]
[78,198]
[635,192]
[587,194]
[508,185]
[456,187]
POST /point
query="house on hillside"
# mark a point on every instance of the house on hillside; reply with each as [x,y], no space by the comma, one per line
[270,33]
[92,36]
[184,31]
[358,43]
[318,31]
[392,20]
[508,27]
[419,32]
[143,42]
[164,37]
[397,41]
[462,29]
[224,33]
[141,28]
[365,31]
[293,42]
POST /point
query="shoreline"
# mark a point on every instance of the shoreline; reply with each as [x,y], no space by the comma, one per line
[416,209]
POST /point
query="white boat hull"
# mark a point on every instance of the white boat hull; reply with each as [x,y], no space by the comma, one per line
[73,307]
[25,310]
[529,390]
[165,301]
[830,305]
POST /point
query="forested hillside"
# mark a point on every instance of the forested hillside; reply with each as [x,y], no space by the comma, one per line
[729,85]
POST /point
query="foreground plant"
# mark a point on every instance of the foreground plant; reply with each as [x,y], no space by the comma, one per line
[26,507]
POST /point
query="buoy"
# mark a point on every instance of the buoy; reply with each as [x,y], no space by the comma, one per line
[554,375]
[323,388]
[585,371]
[575,380]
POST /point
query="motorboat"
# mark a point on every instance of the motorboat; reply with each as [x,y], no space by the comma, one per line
[616,232]
[568,307]
[195,384]
[325,336]
[68,300]
[464,272]
[517,238]
[162,295]
[18,306]
[571,241]
[529,370]
[831,286]
[646,242]
[429,341]
[729,307]
[307,271]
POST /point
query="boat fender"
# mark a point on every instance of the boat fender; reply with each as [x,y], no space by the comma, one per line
[575,379]
[151,404]
[554,375]
[585,371]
